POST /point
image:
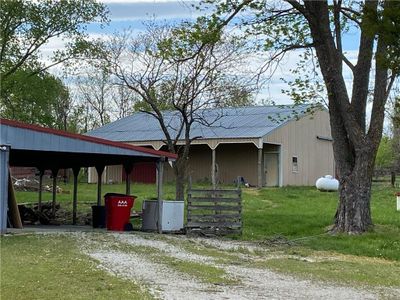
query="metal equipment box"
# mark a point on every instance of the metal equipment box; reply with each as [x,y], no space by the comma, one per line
[172,215]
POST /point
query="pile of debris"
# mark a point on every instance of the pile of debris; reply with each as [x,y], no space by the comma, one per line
[32,185]
[26,185]
[31,215]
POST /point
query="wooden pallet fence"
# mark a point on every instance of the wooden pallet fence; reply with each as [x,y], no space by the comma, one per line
[217,212]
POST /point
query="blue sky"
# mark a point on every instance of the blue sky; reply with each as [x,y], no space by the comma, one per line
[124,14]
[131,14]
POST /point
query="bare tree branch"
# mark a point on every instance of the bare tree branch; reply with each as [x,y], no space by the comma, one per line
[348,62]
[173,90]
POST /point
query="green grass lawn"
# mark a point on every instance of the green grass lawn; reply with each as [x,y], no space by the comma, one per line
[299,214]
[43,267]
[305,214]
[87,194]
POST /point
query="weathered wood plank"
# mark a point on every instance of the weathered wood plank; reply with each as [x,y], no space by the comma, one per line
[215,207]
[207,199]
[216,212]
[211,224]
[221,216]
[215,221]
[235,191]
[213,216]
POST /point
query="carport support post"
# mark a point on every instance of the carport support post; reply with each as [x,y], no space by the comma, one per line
[213,162]
[41,173]
[4,156]
[259,167]
[75,170]
[128,169]
[160,170]
[99,169]
[54,173]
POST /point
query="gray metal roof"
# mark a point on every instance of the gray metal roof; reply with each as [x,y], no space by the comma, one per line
[243,122]
[44,147]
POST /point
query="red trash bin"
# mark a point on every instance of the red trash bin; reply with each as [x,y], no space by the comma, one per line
[118,210]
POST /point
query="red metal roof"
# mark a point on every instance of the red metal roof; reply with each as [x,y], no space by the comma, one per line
[81,137]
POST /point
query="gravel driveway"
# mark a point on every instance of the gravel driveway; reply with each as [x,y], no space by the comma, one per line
[151,260]
[143,258]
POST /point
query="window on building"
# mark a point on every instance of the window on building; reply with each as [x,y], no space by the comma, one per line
[295,165]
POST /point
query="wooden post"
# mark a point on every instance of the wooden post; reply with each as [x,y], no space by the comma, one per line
[128,170]
[41,173]
[213,159]
[54,173]
[160,172]
[190,183]
[4,158]
[238,182]
[99,169]
[13,211]
[259,168]
[393,178]
[75,170]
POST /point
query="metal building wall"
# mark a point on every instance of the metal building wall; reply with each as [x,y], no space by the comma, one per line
[299,138]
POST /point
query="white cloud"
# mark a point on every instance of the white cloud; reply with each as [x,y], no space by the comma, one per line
[273,90]
[143,10]
[58,44]
[141,1]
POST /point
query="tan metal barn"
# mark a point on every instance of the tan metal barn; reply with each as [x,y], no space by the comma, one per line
[266,145]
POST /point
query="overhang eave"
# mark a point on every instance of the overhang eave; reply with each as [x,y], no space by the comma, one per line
[46,160]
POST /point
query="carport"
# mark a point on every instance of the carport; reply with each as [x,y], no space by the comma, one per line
[27,145]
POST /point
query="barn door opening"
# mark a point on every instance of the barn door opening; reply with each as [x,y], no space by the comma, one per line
[271,169]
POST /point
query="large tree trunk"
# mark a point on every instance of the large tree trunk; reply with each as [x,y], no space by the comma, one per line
[180,176]
[353,214]
[354,147]
[181,165]
[354,165]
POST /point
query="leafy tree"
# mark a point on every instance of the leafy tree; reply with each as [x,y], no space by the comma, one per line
[319,26]
[384,156]
[388,156]
[26,26]
[236,95]
[182,69]
[396,133]
[35,99]
[76,119]
[28,92]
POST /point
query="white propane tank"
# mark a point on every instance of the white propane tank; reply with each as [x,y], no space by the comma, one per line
[327,183]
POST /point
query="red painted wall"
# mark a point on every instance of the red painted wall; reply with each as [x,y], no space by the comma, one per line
[23,172]
[144,172]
